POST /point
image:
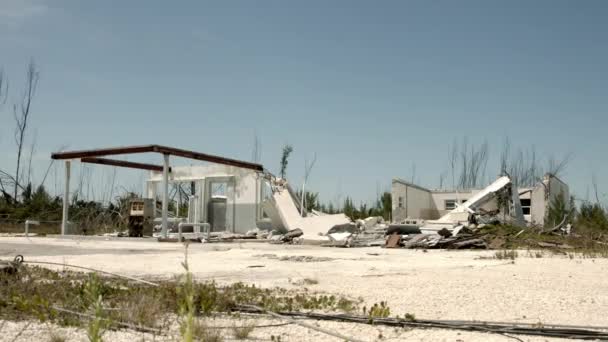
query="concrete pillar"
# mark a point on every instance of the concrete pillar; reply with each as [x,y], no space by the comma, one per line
[165,208]
[192,208]
[66,199]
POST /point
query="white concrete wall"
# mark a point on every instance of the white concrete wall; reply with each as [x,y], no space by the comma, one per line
[243,191]
[439,198]
[417,202]
[542,196]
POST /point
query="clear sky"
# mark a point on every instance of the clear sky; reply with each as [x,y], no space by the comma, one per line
[371,87]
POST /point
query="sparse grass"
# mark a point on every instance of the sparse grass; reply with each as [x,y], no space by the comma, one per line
[410,317]
[378,310]
[56,337]
[310,281]
[141,309]
[506,254]
[305,281]
[242,332]
[594,253]
[535,254]
[201,332]
[34,292]
[585,242]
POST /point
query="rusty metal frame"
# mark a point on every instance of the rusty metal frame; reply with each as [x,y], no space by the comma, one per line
[94,156]
[123,163]
[84,154]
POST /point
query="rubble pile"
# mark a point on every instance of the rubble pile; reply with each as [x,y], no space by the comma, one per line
[460,241]
[373,231]
[362,233]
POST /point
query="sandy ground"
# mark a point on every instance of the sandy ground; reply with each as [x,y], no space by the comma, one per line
[462,285]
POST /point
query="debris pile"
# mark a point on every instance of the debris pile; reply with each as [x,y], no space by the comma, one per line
[460,241]
[363,233]
[11,267]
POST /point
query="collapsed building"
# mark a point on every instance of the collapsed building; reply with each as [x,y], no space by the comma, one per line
[236,200]
[226,195]
[413,203]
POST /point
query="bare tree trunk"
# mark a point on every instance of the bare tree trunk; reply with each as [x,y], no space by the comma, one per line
[307,169]
[256,153]
[29,163]
[594,183]
[21,118]
[3,97]
[3,88]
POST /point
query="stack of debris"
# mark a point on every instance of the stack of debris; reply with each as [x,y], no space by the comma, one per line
[286,214]
[363,233]
[463,238]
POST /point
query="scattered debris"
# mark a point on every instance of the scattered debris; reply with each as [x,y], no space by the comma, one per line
[11,267]
[554,245]
[295,258]
[393,241]
[403,229]
[291,235]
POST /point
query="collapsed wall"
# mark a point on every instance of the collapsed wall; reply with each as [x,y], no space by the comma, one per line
[283,209]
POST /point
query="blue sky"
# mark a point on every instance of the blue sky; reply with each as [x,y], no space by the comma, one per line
[371,87]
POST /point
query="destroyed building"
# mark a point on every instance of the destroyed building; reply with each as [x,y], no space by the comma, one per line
[236,200]
[412,202]
[226,195]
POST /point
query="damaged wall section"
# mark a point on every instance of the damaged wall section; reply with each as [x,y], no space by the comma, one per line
[411,201]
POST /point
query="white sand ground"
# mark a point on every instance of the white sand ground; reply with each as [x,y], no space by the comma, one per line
[438,284]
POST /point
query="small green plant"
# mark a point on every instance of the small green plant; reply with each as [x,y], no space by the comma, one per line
[142,308]
[186,304]
[56,337]
[200,332]
[506,254]
[243,332]
[410,317]
[378,311]
[96,326]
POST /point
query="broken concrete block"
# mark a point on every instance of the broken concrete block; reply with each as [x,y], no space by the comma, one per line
[342,228]
[342,236]
[292,234]
[444,233]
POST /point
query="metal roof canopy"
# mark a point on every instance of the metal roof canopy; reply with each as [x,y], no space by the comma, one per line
[93,156]
[158,149]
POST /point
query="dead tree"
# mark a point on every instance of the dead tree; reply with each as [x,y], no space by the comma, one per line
[256,153]
[29,162]
[524,167]
[468,164]
[307,169]
[3,88]
[22,114]
[595,187]
[3,97]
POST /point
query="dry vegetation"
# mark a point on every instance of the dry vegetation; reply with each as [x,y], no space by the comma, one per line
[98,304]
